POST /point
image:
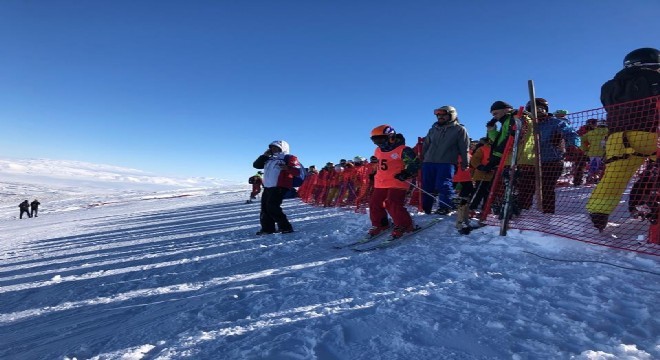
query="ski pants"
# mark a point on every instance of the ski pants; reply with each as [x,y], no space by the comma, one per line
[626,152]
[256,189]
[271,210]
[392,201]
[437,179]
[26,211]
[480,195]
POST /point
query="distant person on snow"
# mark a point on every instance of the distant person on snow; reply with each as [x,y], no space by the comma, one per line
[34,208]
[257,184]
[279,170]
[25,208]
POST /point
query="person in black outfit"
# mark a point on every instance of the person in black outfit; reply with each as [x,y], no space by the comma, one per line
[25,208]
[34,208]
[280,168]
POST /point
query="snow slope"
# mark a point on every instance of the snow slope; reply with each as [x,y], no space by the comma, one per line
[180,274]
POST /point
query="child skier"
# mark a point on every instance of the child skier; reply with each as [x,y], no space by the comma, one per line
[396,163]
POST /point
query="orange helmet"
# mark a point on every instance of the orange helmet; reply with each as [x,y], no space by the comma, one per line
[382,134]
[383,130]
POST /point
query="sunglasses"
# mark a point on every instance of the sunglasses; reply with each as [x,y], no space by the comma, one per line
[440,113]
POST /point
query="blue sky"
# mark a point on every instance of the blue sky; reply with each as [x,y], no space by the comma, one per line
[199,88]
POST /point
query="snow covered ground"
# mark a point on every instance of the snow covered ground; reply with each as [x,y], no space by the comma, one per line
[129,269]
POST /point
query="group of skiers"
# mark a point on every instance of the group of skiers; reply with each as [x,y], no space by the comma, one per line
[449,164]
[29,208]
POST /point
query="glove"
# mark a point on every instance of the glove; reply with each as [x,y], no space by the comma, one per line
[485,168]
[403,176]
[491,122]
[492,164]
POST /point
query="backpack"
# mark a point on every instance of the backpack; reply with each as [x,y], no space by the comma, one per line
[622,90]
[623,98]
[297,180]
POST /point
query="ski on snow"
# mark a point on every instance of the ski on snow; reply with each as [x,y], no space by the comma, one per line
[389,242]
[366,239]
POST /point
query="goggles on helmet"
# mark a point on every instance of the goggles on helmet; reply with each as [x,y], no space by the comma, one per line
[380,139]
[641,64]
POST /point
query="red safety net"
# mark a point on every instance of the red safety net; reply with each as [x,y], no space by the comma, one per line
[609,181]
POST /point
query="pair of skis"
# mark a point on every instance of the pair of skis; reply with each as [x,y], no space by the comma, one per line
[387,242]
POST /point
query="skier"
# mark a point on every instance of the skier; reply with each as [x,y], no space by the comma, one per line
[592,138]
[504,114]
[34,208]
[396,164]
[279,170]
[446,140]
[632,129]
[257,184]
[463,181]
[554,134]
[482,179]
[25,208]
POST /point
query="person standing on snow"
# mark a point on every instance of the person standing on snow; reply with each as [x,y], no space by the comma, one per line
[24,208]
[554,135]
[396,164]
[632,129]
[445,142]
[592,136]
[257,184]
[279,170]
[34,208]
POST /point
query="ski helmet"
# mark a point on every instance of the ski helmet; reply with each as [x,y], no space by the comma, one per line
[540,103]
[382,133]
[643,57]
[447,110]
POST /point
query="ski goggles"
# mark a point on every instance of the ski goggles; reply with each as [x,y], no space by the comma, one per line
[654,66]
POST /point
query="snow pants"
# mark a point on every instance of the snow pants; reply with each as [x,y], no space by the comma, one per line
[437,179]
[271,210]
[392,201]
[626,152]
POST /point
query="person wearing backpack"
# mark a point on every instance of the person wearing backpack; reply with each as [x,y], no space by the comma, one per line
[257,184]
[632,127]
[280,171]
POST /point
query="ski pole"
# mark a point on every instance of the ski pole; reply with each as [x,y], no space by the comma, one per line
[429,194]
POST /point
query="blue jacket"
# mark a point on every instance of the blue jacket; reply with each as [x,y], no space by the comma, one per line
[551,133]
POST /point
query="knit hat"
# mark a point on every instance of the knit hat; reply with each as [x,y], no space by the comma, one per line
[499,104]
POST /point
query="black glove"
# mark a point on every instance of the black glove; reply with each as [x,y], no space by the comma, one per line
[403,176]
[492,164]
[491,123]
[485,168]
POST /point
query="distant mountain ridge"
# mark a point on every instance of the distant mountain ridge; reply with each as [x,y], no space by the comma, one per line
[30,170]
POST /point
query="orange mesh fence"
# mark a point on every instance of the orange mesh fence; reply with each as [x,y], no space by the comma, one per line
[609,181]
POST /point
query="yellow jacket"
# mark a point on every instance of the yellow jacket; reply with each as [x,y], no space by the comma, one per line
[593,143]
